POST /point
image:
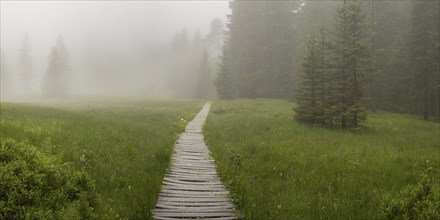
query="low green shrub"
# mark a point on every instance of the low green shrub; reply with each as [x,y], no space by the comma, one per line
[419,201]
[34,185]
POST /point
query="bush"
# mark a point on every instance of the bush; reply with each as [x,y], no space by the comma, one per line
[420,201]
[34,185]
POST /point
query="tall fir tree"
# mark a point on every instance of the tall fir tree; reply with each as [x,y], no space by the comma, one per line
[6,83]
[352,62]
[203,79]
[25,64]
[224,82]
[425,57]
[323,54]
[308,108]
[183,64]
[260,48]
[312,95]
[56,82]
[214,44]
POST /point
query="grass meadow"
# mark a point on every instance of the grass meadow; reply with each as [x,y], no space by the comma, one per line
[277,168]
[125,147]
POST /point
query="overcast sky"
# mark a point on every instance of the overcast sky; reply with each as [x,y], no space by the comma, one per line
[121,23]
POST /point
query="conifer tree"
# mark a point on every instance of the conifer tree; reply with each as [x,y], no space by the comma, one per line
[214,45]
[224,81]
[324,100]
[6,87]
[260,48]
[56,81]
[334,73]
[312,96]
[25,64]
[180,42]
[307,96]
[351,60]
[203,79]
[425,56]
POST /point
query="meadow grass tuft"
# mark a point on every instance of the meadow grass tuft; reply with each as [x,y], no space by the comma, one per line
[277,168]
[125,147]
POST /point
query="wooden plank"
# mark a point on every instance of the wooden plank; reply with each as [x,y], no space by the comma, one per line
[193,178]
[196,215]
[195,204]
[166,179]
[189,193]
[212,210]
[173,182]
[193,186]
[199,200]
[193,174]
[202,172]
[174,218]
[195,165]
[222,208]
[196,189]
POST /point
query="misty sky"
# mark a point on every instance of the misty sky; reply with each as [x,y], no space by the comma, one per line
[125,24]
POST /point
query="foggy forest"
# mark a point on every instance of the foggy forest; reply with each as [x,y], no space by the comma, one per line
[302,109]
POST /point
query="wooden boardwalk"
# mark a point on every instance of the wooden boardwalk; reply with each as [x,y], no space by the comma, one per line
[192,188]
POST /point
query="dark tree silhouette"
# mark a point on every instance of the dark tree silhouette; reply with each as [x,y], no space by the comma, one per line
[57,79]
[25,64]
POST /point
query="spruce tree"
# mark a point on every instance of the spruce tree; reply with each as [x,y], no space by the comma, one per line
[183,66]
[307,96]
[25,64]
[260,48]
[224,82]
[203,79]
[324,100]
[425,56]
[6,87]
[352,62]
[214,44]
[312,96]
[56,81]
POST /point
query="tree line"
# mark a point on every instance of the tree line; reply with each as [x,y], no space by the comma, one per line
[56,80]
[337,60]
[187,65]
[192,62]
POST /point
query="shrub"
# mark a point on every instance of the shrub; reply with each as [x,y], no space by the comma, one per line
[34,185]
[419,201]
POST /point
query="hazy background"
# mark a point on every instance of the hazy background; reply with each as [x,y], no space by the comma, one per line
[134,33]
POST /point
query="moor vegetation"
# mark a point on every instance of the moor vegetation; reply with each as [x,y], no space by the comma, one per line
[277,168]
[87,159]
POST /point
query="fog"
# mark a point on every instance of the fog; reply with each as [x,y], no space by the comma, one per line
[114,48]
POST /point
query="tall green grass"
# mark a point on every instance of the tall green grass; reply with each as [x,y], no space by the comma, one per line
[277,168]
[124,146]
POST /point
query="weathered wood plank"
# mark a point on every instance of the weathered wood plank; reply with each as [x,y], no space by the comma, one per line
[199,200]
[192,196]
[186,192]
[220,208]
[196,215]
[196,204]
[173,182]
[174,218]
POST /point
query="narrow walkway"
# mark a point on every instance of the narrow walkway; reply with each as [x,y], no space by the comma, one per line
[192,188]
